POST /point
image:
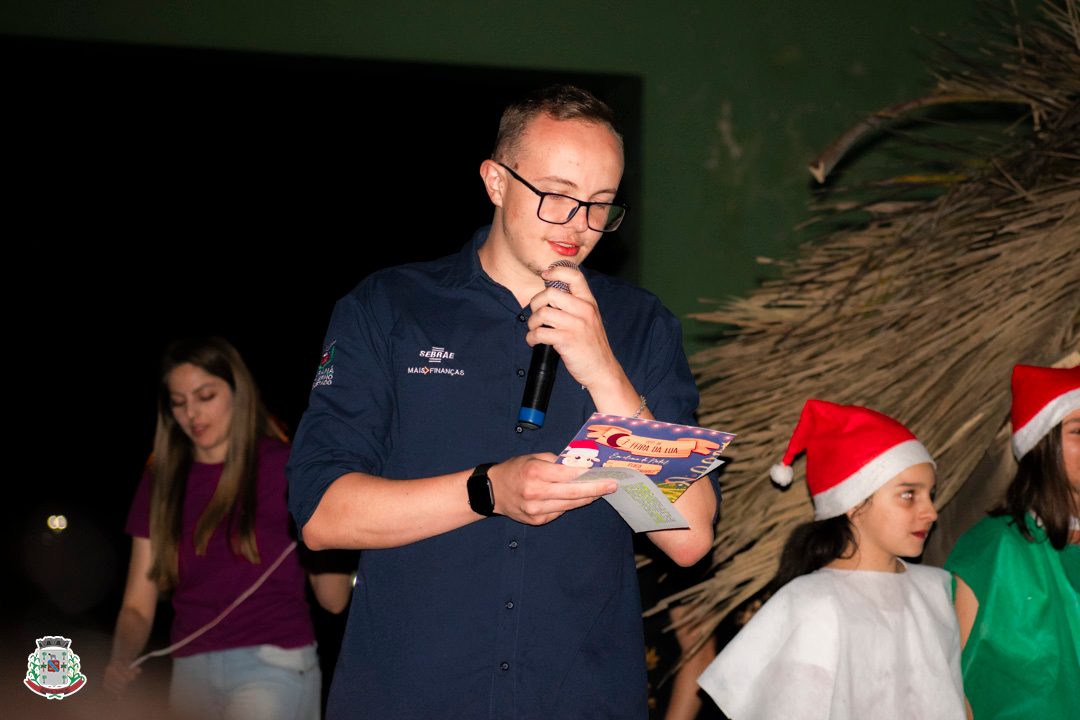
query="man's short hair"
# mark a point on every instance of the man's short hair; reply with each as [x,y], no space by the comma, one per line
[561,102]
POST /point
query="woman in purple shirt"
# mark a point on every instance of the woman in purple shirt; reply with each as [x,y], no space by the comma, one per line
[208,522]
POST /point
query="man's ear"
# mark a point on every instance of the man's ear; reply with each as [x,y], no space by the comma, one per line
[494,181]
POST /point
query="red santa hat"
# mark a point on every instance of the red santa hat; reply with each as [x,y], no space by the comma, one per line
[851,451]
[1041,398]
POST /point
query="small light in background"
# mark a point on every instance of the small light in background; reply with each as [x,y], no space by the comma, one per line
[70,562]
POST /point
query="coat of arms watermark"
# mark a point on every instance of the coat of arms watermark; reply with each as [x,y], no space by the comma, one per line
[52,671]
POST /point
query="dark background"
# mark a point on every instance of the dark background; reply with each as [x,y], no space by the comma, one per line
[156,193]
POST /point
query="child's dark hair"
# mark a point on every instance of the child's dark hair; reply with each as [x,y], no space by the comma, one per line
[1041,486]
[811,546]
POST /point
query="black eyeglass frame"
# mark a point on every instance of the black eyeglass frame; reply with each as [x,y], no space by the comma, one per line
[573,213]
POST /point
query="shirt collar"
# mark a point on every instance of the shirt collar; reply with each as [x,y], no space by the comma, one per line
[467,266]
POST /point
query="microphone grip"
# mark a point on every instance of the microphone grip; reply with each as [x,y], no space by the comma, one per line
[538,385]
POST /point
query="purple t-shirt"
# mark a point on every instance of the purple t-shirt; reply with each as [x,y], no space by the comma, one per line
[277,613]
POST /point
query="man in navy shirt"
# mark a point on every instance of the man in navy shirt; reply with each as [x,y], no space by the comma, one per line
[491,583]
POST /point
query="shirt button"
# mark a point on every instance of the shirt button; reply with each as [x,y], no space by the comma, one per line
[521,317]
[521,372]
[518,429]
[513,544]
[504,666]
[509,604]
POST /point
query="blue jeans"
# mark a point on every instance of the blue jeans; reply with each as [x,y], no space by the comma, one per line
[262,681]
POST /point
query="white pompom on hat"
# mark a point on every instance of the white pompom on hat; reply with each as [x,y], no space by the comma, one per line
[1041,398]
[851,451]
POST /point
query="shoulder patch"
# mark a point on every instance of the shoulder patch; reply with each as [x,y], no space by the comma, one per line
[325,374]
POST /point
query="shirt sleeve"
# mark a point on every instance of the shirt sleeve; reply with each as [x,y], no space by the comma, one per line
[669,385]
[671,391]
[350,408]
[138,519]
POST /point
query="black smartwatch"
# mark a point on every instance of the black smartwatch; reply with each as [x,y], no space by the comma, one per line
[481,496]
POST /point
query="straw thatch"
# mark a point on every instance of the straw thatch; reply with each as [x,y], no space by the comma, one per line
[919,311]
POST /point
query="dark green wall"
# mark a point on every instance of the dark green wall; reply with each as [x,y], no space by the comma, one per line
[738,96]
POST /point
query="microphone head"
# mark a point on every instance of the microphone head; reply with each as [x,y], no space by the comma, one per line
[559,284]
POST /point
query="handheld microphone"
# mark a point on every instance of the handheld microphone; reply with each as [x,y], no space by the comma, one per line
[541,378]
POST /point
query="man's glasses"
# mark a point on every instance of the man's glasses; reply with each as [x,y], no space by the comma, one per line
[561,209]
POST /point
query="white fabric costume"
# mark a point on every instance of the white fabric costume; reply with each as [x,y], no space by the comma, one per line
[846,644]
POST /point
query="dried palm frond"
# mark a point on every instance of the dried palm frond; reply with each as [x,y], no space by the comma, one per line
[919,311]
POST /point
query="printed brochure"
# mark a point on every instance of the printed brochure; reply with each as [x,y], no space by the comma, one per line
[654,463]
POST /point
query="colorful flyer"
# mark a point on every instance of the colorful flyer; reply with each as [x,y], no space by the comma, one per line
[654,463]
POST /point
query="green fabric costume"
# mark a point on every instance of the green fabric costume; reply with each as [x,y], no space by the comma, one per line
[1022,659]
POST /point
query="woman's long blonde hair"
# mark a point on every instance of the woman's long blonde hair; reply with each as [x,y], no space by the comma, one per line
[234,498]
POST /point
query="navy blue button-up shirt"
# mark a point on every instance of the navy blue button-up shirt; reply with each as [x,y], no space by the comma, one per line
[423,375]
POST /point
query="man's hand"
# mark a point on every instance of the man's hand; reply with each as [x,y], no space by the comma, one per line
[534,489]
[570,322]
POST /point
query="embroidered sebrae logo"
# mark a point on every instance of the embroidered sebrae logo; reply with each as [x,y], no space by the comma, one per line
[53,669]
[436,354]
[435,357]
[325,374]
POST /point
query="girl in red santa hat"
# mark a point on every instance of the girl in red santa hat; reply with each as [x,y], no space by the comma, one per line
[1018,571]
[852,630]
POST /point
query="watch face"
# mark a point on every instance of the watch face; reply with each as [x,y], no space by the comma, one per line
[481,498]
